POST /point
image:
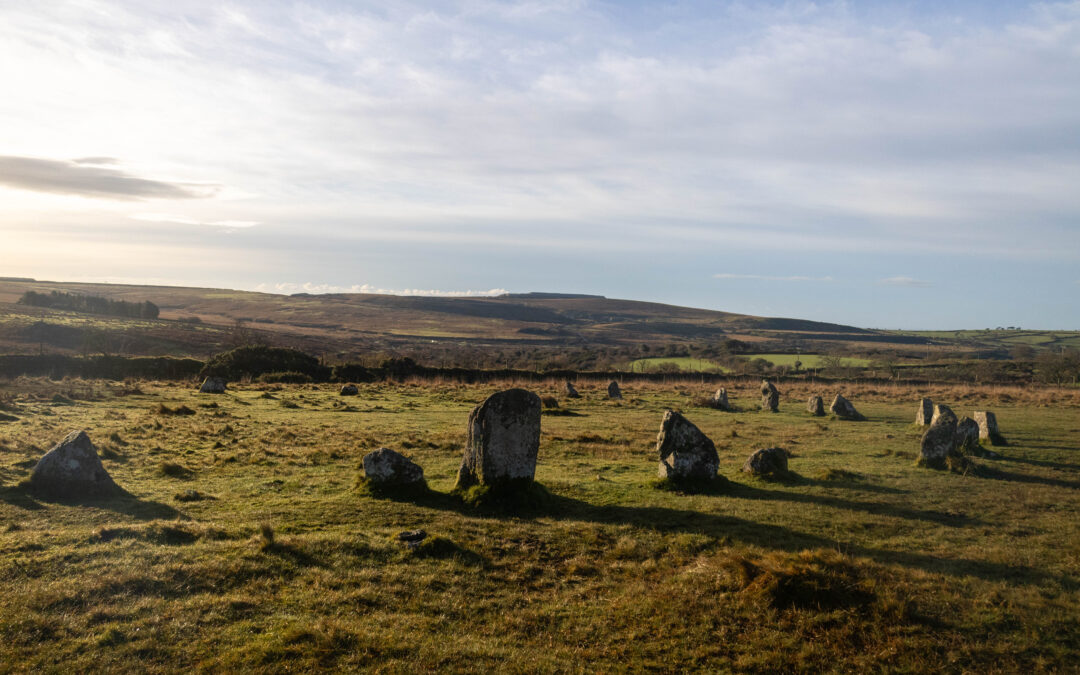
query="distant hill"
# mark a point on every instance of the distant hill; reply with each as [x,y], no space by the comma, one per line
[197,320]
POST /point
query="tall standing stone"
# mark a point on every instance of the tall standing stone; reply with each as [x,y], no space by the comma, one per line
[73,469]
[570,391]
[685,452]
[816,406]
[503,439]
[939,441]
[720,399]
[988,427]
[770,396]
[613,390]
[843,408]
[967,437]
[925,413]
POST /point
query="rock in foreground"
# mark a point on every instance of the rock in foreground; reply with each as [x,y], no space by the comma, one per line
[503,439]
[686,454]
[73,469]
[386,467]
[767,462]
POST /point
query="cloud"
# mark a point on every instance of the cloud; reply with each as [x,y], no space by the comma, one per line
[765,277]
[75,178]
[184,220]
[96,160]
[905,281]
[309,287]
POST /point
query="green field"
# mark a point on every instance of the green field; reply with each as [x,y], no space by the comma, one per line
[807,360]
[685,364]
[860,563]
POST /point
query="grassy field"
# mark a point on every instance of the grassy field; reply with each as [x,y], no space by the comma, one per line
[244,544]
[685,364]
[807,360]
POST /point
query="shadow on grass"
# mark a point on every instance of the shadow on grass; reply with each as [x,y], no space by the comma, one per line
[23,496]
[994,473]
[1062,466]
[774,537]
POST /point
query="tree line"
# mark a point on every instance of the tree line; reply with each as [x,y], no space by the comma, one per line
[90,304]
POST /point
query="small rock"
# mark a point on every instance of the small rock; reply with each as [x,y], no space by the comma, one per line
[349,390]
[685,452]
[213,385]
[842,408]
[767,462]
[816,406]
[384,466]
[73,469]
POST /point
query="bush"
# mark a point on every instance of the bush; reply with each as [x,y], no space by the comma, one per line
[255,360]
[284,378]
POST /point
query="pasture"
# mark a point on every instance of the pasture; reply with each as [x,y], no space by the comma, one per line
[244,543]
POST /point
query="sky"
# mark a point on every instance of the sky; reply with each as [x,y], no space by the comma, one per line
[907,164]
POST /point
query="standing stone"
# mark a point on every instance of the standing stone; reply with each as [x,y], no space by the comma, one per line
[939,441]
[350,390]
[386,467]
[720,400]
[816,406]
[942,411]
[503,440]
[73,469]
[842,408]
[613,390]
[767,462]
[926,412]
[570,391]
[967,437]
[770,396]
[685,452]
[213,385]
[988,427]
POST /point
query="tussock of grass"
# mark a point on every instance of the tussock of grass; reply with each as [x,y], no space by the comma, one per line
[174,470]
[519,495]
[838,475]
[181,410]
[820,580]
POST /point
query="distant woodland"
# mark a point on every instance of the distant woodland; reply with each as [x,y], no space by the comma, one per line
[90,304]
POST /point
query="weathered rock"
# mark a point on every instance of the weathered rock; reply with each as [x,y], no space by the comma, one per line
[349,390]
[73,469]
[967,437]
[503,440]
[842,408]
[613,390]
[926,412]
[816,406]
[570,391]
[767,462]
[213,385]
[939,441]
[685,452]
[720,400]
[386,467]
[942,411]
[770,396]
[988,427]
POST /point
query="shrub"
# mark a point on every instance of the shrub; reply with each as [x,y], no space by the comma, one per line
[284,378]
[253,361]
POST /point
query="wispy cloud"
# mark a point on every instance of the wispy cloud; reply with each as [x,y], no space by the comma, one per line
[909,282]
[184,220]
[290,288]
[766,277]
[79,178]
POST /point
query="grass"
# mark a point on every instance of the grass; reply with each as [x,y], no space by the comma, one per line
[807,360]
[684,364]
[864,563]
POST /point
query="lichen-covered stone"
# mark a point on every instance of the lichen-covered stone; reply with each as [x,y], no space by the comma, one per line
[720,400]
[816,406]
[384,466]
[925,414]
[213,385]
[939,441]
[503,439]
[613,390]
[73,469]
[767,462]
[686,454]
[843,408]
[770,396]
[967,437]
[942,412]
[988,427]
